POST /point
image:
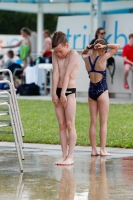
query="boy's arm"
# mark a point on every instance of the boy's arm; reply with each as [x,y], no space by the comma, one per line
[55,79]
[127,60]
[124,55]
[70,68]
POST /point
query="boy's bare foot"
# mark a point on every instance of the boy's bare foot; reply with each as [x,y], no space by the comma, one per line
[68,161]
[61,160]
[104,153]
[95,153]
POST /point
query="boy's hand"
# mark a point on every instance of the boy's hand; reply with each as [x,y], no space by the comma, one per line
[63,100]
[55,99]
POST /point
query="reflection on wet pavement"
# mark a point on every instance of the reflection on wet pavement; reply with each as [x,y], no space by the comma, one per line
[91,178]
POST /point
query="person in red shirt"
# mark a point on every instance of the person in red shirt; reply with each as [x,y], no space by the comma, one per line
[128,59]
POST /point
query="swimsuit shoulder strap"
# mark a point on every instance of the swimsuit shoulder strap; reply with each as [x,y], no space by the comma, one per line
[95,61]
[93,65]
[90,62]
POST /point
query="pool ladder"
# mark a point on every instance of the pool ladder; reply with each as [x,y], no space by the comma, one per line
[9,107]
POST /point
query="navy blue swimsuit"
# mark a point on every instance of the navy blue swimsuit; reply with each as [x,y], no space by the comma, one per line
[96,89]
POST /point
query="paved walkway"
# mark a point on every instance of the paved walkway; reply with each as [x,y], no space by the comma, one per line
[84,150]
[79,99]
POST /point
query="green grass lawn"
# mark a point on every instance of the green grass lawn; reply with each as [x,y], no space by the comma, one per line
[40,124]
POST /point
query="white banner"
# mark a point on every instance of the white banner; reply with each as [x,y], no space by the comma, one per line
[8,40]
[117,27]
[77,29]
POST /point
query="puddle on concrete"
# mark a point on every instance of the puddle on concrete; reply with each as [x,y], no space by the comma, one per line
[91,178]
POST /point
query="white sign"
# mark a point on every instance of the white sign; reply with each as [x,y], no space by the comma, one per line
[78,32]
[8,40]
[78,29]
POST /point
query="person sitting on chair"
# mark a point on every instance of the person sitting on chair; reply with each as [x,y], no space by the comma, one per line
[47,53]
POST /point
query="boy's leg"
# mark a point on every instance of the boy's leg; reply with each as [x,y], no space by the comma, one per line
[60,114]
[103,107]
[70,111]
[93,107]
[126,72]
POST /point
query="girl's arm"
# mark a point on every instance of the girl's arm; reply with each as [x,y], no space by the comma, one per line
[12,46]
[113,49]
[86,51]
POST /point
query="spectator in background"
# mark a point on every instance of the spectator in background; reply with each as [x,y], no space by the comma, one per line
[46,52]
[128,59]
[25,46]
[100,34]
[9,61]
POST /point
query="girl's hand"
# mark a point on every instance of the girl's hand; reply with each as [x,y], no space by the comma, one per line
[99,46]
[88,46]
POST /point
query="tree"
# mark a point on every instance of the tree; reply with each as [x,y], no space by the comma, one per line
[11,22]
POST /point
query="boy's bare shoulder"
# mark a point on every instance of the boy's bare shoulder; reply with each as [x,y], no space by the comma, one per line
[74,53]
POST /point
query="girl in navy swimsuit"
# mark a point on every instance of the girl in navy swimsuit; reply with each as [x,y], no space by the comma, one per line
[95,63]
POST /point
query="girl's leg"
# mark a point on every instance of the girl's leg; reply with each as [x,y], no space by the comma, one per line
[24,64]
[103,107]
[93,107]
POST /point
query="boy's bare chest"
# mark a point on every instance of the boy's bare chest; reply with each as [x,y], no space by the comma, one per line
[62,64]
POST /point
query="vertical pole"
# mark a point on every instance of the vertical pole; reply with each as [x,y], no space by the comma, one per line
[95,16]
[39,29]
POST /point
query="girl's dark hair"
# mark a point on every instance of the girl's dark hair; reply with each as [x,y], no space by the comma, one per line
[59,38]
[98,31]
[26,30]
[11,53]
[100,41]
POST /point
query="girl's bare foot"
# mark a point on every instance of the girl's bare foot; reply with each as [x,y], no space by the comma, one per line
[104,153]
[61,160]
[68,161]
[95,153]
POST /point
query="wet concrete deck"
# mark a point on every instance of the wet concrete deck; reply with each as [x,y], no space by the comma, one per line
[91,178]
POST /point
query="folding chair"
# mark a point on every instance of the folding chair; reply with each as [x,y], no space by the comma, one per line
[8,99]
[21,76]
